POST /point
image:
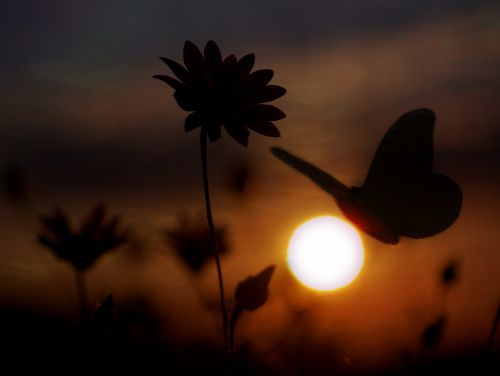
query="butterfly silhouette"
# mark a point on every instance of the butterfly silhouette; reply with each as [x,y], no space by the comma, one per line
[400,195]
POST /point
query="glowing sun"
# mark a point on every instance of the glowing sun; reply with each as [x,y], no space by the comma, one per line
[325,253]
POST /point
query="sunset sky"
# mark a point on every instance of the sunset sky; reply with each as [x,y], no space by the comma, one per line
[85,122]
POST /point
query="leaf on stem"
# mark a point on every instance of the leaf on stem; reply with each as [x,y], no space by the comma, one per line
[252,292]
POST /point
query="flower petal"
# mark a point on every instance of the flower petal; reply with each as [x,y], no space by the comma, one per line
[177,69]
[213,59]
[186,100]
[193,121]
[256,79]
[47,242]
[261,112]
[245,65]
[193,59]
[213,131]
[93,221]
[262,94]
[57,224]
[265,128]
[229,67]
[172,82]
[238,132]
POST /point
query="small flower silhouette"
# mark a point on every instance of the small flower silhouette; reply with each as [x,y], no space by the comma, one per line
[84,246]
[191,241]
[225,93]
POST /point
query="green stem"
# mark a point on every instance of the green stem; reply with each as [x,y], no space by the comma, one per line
[203,143]
[82,294]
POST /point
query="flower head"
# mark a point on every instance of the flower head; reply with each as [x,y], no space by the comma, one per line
[224,92]
[84,246]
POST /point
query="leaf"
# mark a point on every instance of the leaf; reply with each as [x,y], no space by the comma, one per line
[252,292]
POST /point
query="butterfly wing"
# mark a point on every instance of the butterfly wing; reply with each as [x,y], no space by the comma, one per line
[322,179]
[405,150]
[348,200]
[418,206]
[401,190]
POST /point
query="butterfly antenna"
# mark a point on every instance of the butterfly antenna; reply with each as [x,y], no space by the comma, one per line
[324,180]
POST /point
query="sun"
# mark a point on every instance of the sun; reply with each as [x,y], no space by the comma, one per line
[325,253]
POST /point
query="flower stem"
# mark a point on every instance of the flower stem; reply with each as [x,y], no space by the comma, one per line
[232,330]
[493,330]
[203,143]
[82,294]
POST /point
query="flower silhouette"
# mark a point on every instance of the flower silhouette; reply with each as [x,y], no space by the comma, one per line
[191,241]
[84,246]
[224,92]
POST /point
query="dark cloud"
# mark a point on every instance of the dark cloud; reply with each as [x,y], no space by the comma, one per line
[61,161]
[105,35]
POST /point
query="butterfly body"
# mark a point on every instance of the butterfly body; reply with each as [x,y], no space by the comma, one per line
[400,195]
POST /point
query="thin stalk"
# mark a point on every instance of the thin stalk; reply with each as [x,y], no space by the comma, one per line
[493,330]
[203,144]
[232,330]
[82,294]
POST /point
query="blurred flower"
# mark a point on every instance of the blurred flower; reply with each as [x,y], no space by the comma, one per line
[449,274]
[225,93]
[84,246]
[191,241]
[252,293]
[240,177]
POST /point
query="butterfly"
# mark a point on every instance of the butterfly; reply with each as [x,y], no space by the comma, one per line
[400,196]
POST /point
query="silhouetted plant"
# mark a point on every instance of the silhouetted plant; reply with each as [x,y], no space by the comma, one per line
[433,334]
[222,93]
[102,319]
[449,274]
[190,239]
[81,247]
[239,177]
[250,294]
[400,195]
[493,331]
